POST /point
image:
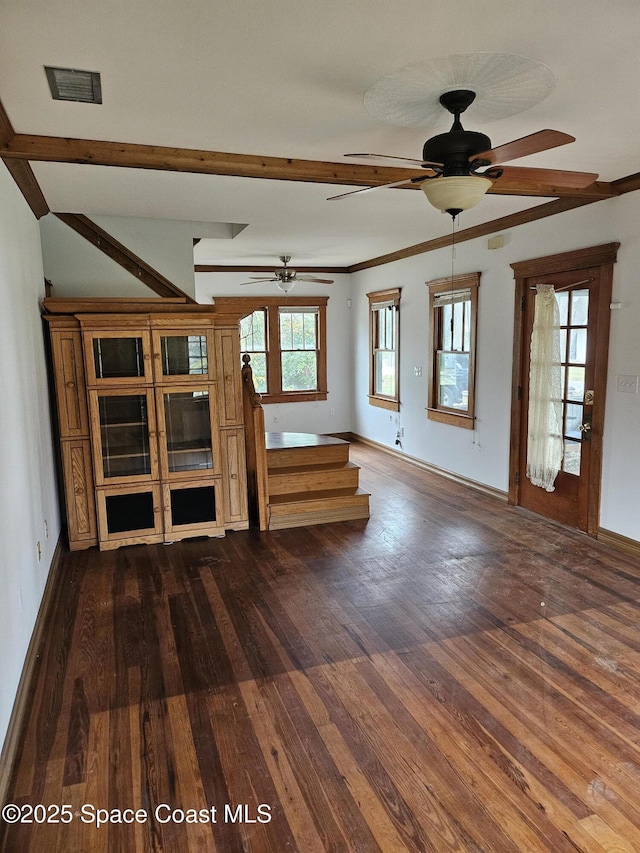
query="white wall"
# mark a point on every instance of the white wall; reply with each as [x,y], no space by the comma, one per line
[77,268]
[303,417]
[483,454]
[28,495]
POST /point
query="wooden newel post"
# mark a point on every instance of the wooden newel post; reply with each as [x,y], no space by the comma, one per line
[256,448]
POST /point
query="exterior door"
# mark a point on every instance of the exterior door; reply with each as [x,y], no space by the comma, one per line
[583,296]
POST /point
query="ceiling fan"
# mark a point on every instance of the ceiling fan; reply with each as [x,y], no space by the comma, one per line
[451,162]
[285,278]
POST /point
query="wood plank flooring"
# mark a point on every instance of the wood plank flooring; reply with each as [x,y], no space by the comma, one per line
[453,675]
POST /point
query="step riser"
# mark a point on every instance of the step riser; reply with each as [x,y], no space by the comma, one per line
[294,456]
[318,512]
[313,481]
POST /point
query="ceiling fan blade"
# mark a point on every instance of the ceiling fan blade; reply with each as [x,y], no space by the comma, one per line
[398,159]
[414,180]
[550,177]
[543,140]
[317,280]
[257,280]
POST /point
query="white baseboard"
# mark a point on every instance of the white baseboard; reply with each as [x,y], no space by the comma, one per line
[433,469]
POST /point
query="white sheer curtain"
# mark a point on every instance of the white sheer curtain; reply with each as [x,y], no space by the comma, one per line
[544,447]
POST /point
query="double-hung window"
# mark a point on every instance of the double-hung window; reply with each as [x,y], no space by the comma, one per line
[453,308]
[286,342]
[384,335]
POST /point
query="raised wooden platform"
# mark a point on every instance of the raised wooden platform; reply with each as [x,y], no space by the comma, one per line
[312,481]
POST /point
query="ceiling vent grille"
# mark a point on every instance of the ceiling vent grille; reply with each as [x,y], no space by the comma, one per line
[69,84]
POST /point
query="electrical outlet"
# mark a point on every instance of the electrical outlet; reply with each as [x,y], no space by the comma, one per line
[45,524]
[332,412]
[275,419]
[39,550]
[417,370]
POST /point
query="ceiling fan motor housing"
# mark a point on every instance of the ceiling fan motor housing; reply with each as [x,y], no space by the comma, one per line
[455,150]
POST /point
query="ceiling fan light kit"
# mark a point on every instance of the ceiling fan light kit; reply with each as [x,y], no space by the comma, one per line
[455,193]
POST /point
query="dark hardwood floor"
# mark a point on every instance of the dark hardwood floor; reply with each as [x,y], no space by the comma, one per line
[453,675]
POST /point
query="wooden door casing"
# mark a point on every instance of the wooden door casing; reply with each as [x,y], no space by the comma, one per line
[574,504]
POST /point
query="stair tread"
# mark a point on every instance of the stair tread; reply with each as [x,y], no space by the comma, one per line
[315,467]
[300,497]
[292,440]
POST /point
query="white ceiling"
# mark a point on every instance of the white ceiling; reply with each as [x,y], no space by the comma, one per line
[286,78]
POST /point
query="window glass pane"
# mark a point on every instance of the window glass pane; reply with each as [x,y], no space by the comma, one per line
[299,371]
[573,420]
[447,333]
[458,316]
[253,332]
[571,458]
[563,345]
[563,304]
[309,331]
[385,374]
[453,380]
[575,383]
[577,346]
[579,307]
[466,343]
[297,330]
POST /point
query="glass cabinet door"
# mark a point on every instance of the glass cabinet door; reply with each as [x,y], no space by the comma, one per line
[121,358]
[183,356]
[124,435]
[188,436]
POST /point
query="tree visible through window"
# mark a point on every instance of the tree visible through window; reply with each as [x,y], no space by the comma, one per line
[287,345]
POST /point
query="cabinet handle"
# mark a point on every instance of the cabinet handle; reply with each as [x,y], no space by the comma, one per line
[71,384]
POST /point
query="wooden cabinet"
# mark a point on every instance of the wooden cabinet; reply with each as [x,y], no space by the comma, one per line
[150,416]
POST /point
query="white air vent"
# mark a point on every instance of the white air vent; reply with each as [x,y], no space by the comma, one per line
[69,84]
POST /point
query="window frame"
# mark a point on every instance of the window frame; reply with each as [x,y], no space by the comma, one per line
[272,306]
[377,301]
[435,410]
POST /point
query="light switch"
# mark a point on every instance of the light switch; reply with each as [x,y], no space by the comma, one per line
[628,384]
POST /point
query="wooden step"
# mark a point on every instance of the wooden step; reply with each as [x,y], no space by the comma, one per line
[295,449]
[312,478]
[300,510]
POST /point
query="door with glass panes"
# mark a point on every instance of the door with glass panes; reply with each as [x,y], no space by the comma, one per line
[583,297]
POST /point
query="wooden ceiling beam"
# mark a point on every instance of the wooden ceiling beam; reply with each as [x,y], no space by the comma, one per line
[21,171]
[55,149]
[297,267]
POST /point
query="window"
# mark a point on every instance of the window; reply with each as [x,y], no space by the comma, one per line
[384,331]
[287,345]
[453,308]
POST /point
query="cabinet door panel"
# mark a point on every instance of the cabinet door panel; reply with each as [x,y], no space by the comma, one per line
[123,431]
[235,476]
[188,431]
[71,391]
[183,356]
[192,508]
[228,364]
[118,357]
[79,497]
[129,514]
